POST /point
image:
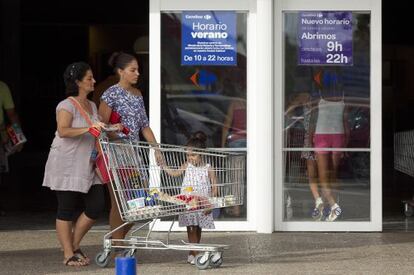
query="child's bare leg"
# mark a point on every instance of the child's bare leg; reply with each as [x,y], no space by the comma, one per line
[198,234]
[192,234]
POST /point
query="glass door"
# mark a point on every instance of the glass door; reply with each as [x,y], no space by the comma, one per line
[199,81]
[329,110]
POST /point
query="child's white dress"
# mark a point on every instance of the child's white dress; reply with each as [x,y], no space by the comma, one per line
[197,177]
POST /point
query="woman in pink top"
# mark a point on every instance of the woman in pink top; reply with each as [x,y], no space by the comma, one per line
[331,133]
[234,128]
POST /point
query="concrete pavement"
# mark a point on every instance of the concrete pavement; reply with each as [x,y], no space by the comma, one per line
[37,252]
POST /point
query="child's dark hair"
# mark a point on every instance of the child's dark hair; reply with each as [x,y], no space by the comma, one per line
[197,140]
[75,71]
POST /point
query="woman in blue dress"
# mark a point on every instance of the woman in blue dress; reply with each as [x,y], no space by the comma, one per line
[126,100]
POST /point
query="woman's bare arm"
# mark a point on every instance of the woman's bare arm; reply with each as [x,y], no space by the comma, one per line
[149,135]
[104,112]
[64,125]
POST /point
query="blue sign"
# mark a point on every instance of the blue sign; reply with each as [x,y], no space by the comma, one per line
[325,38]
[208,38]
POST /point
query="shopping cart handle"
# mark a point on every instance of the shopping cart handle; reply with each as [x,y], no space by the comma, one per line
[223,246]
[110,129]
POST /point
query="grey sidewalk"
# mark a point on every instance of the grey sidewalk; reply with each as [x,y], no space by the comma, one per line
[37,252]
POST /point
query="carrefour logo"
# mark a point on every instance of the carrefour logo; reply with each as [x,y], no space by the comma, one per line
[312,14]
[207,17]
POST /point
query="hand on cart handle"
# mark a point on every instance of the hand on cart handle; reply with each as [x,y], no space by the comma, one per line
[98,125]
[118,127]
[159,158]
[208,211]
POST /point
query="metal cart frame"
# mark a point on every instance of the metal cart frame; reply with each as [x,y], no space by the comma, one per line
[151,181]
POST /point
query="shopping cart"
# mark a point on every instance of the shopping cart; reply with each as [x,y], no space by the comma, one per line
[145,191]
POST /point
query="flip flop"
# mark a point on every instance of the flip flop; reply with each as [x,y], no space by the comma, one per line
[78,252]
[74,259]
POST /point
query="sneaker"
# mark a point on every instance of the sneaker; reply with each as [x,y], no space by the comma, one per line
[289,210]
[326,211]
[317,212]
[191,259]
[336,212]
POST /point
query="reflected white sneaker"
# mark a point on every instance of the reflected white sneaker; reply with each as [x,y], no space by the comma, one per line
[215,257]
[191,259]
[317,212]
[336,212]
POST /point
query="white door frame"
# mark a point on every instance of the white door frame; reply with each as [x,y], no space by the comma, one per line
[374,7]
[259,103]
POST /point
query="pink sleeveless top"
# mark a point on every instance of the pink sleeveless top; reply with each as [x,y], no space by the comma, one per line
[238,126]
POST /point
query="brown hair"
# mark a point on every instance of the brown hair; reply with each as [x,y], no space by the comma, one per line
[197,140]
[73,72]
[120,60]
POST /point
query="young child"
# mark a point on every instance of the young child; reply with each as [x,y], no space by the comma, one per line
[201,178]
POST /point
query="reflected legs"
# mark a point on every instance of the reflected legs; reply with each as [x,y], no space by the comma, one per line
[323,161]
[313,177]
[328,179]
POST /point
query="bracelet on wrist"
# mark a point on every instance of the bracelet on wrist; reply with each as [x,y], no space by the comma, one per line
[94,132]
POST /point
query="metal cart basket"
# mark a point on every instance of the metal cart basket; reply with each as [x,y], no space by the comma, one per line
[147,180]
[404,162]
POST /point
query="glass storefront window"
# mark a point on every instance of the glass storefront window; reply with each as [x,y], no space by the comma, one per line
[211,99]
[327,116]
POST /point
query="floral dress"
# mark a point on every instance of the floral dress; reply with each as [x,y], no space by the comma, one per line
[130,107]
[197,177]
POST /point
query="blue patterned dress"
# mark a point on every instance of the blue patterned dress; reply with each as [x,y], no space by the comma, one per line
[130,107]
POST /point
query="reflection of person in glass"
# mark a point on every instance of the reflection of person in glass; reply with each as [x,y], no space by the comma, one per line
[175,130]
[331,132]
[304,100]
[234,129]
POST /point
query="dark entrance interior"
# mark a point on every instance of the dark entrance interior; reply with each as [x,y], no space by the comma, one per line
[39,38]
[397,112]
